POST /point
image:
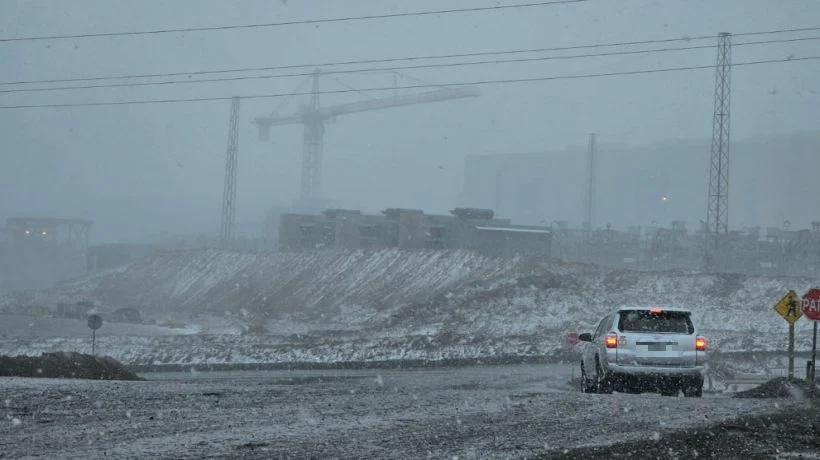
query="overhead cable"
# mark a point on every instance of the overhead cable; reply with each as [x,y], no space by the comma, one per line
[416,58]
[420,86]
[289,23]
[386,69]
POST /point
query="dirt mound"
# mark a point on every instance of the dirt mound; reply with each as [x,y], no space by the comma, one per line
[789,432]
[782,387]
[65,365]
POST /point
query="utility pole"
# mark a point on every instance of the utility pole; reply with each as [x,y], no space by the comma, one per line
[717,214]
[589,199]
[226,232]
[498,192]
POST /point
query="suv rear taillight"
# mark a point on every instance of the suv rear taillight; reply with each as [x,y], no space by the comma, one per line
[700,343]
[611,341]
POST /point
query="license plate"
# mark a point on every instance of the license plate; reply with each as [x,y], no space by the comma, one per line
[657,347]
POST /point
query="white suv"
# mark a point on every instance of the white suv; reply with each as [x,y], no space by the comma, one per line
[644,349]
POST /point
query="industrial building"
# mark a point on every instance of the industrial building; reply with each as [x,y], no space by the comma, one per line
[37,252]
[464,228]
[648,185]
[753,251]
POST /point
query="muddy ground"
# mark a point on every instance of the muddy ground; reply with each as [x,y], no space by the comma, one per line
[791,433]
[479,412]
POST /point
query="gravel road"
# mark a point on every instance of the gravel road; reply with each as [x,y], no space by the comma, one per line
[515,411]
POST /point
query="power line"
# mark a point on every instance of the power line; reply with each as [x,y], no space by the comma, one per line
[420,86]
[344,71]
[387,69]
[412,58]
[293,23]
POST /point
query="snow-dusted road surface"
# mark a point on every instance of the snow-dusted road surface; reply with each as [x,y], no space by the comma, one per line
[472,412]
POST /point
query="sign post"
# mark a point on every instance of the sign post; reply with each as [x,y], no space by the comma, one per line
[94,322]
[810,306]
[788,308]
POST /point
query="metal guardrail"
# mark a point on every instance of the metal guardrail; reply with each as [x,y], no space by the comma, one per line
[768,374]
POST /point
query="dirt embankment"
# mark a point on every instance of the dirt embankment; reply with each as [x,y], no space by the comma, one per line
[786,434]
[782,387]
[65,365]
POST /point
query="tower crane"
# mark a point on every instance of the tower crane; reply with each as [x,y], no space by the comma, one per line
[314,117]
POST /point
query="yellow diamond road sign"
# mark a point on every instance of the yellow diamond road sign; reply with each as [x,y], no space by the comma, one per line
[789,307]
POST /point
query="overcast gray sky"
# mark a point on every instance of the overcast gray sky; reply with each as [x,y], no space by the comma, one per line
[143,169]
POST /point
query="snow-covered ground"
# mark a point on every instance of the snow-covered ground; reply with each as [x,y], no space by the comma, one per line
[334,306]
[469,412]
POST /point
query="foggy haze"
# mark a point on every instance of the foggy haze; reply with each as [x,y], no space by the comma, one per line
[138,170]
[446,307]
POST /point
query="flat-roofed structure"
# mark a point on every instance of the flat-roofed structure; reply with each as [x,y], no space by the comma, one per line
[463,228]
[41,251]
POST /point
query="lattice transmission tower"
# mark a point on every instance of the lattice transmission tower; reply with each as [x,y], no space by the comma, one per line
[226,232]
[717,214]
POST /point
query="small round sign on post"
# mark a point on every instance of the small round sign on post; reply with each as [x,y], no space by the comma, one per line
[94,322]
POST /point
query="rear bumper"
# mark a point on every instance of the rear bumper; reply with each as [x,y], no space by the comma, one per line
[650,371]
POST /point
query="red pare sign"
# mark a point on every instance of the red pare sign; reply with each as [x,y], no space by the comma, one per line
[810,304]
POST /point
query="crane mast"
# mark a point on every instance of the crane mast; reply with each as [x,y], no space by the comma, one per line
[312,146]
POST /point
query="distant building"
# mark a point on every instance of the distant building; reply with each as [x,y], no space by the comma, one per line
[464,228]
[41,251]
[641,184]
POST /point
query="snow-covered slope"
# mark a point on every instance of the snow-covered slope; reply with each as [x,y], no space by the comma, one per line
[208,280]
[392,304]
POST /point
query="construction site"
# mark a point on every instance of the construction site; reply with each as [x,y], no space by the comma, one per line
[659,180]
[393,230]
[528,189]
[553,204]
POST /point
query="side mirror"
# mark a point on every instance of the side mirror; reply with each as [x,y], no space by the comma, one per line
[585,337]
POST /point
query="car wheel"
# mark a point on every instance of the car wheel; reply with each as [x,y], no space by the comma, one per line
[627,384]
[671,387]
[693,389]
[587,385]
[602,383]
[669,391]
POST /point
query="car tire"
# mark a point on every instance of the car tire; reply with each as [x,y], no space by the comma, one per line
[627,384]
[693,389]
[602,383]
[587,385]
[669,391]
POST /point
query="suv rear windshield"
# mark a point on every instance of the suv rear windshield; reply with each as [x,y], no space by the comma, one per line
[676,322]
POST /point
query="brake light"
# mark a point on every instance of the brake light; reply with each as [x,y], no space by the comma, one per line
[656,311]
[700,343]
[611,341]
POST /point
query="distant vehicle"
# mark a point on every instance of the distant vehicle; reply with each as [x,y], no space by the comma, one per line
[77,310]
[126,315]
[644,349]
